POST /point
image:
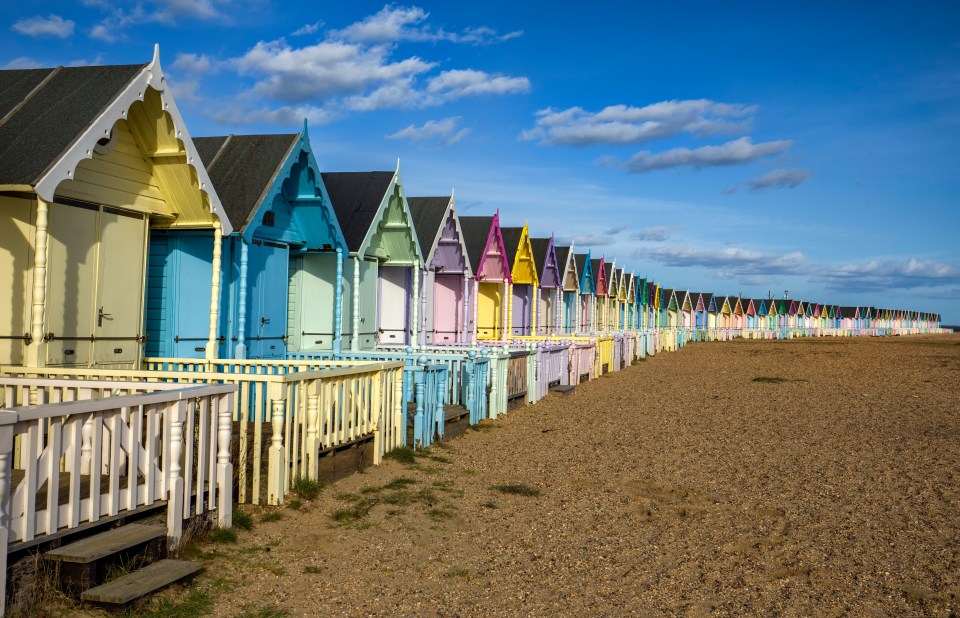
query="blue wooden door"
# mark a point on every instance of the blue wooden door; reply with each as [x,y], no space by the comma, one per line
[267,300]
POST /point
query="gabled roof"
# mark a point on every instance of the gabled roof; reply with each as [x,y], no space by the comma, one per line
[243,168]
[476,231]
[428,217]
[545,256]
[585,269]
[52,119]
[356,198]
[55,107]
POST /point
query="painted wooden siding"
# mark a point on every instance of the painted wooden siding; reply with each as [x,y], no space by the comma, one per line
[394,239]
[16,273]
[448,255]
[522,309]
[267,300]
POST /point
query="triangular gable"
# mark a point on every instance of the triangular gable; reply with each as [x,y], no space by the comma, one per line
[374,216]
[585,265]
[712,305]
[631,288]
[644,292]
[724,305]
[485,248]
[56,121]
[683,301]
[545,258]
[760,307]
[569,276]
[600,275]
[698,304]
[440,234]
[622,285]
[670,298]
[277,174]
[801,308]
[657,297]
[747,305]
[523,269]
[738,307]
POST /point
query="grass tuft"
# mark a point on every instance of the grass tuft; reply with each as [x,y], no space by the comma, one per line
[242,520]
[400,482]
[769,380]
[295,504]
[224,535]
[307,489]
[312,570]
[353,514]
[490,505]
[271,516]
[516,489]
[457,573]
[402,454]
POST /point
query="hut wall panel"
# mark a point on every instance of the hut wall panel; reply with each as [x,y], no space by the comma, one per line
[394,304]
[447,309]
[71,282]
[368,303]
[267,300]
[16,273]
[489,307]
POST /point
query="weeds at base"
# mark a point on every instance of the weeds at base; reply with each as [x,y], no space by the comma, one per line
[307,489]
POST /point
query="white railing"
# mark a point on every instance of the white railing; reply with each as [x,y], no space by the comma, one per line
[283,421]
[102,456]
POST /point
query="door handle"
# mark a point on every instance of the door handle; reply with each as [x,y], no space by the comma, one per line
[101,315]
[264,321]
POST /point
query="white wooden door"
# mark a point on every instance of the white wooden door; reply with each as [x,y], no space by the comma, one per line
[119,304]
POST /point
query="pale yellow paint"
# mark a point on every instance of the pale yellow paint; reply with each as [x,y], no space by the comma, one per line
[524,270]
[489,310]
[16,273]
[146,171]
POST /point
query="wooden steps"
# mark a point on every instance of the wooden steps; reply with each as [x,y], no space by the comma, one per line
[142,582]
[84,564]
[562,390]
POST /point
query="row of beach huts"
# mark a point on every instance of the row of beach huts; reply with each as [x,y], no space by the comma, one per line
[190,322]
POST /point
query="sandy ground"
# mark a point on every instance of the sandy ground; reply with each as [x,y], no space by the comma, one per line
[678,486]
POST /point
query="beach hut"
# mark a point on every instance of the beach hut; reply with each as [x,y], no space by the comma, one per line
[629,320]
[569,308]
[381,273]
[548,269]
[447,274]
[685,305]
[284,231]
[588,292]
[599,268]
[491,275]
[643,300]
[524,281]
[91,159]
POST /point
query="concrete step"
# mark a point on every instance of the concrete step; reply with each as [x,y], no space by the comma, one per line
[142,582]
[563,390]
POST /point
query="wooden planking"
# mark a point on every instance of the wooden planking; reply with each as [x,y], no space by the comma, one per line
[140,583]
[106,543]
[17,233]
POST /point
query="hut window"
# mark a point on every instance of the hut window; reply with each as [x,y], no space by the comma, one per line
[269,219]
[105,144]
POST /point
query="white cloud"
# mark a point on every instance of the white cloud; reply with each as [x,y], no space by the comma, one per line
[890,273]
[299,74]
[83,62]
[287,115]
[660,233]
[728,262]
[169,12]
[103,32]
[451,85]
[622,124]
[22,62]
[52,25]
[446,131]
[194,63]
[735,152]
[396,23]
[780,179]
[308,29]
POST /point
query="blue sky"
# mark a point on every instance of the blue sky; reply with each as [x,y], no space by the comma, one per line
[738,149]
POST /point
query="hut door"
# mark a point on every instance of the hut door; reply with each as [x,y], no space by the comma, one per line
[317,295]
[521,309]
[267,307]
[118,309]
[193,296]
[488,310]
[394,304]
[71,280]
[447,308]
[547,312]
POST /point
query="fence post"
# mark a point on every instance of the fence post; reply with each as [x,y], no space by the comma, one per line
[276,456]
[6,469]
[224,466]
[471,398]
[418,376]
[175,497]
[313,416]
[441,386]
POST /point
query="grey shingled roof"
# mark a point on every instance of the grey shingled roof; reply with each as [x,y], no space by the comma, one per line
[511,242]
[356,198]
[427,219]
[242,167]
[563,254]
[581,261]
[52,114]
[540,247]
[475,232]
